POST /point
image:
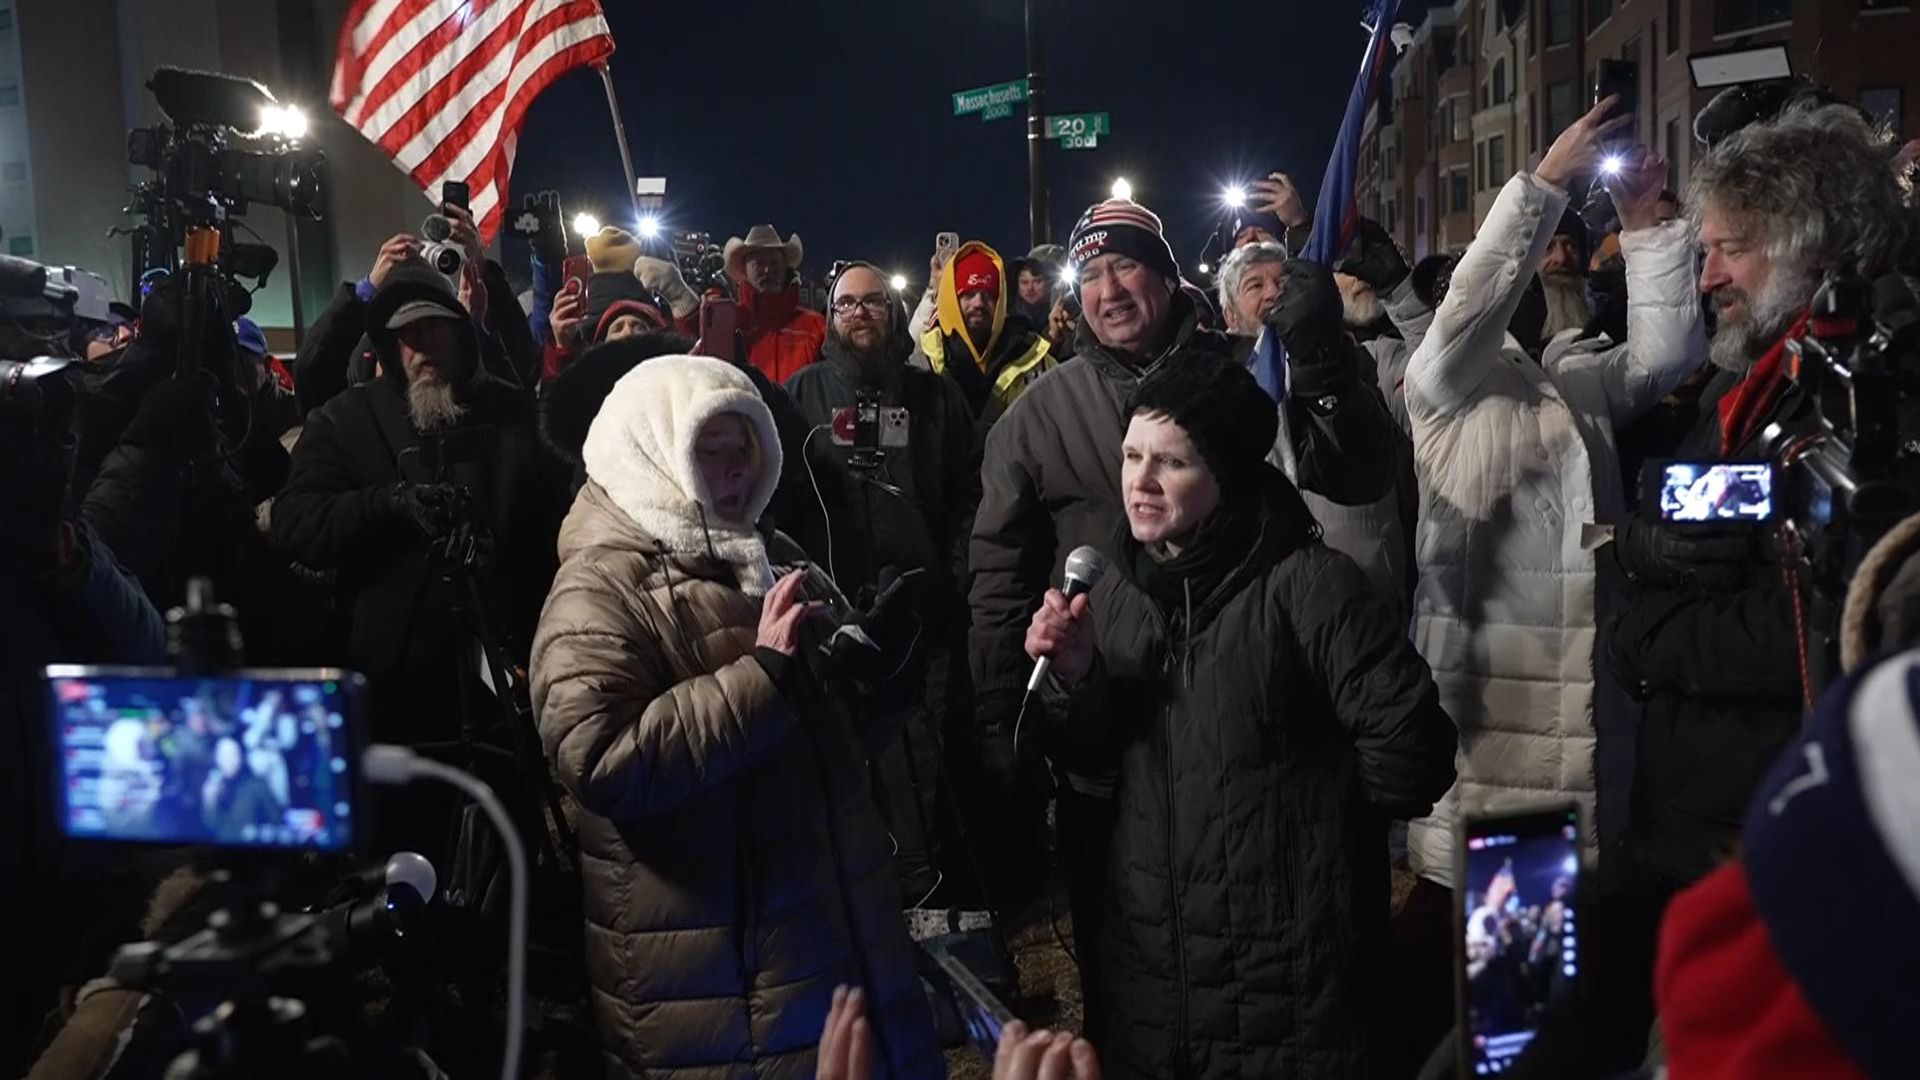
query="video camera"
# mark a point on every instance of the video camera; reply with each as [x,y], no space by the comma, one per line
[228,143]
[258,773]
[1855,469]
[702,262]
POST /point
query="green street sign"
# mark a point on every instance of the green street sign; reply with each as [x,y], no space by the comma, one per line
[995,112]
[1080,142]
[1078,125]
[982,98]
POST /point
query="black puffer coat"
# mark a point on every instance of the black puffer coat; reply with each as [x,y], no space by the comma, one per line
[1264,733]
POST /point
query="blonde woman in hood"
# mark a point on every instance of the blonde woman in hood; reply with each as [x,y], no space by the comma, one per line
[735,867]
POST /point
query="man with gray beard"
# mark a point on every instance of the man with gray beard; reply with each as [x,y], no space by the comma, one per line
[1563,278]
[1709,639]
[382,476]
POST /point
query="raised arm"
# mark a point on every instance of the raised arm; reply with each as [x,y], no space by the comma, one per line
[1463,344]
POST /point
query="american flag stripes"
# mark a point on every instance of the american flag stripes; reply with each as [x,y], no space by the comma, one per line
[442,85]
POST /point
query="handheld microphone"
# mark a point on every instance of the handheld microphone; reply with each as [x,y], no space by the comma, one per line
[1084,568]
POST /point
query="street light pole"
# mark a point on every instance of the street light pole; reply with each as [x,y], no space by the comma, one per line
[1036,128]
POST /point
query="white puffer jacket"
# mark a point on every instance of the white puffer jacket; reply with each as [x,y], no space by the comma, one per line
[1515,460]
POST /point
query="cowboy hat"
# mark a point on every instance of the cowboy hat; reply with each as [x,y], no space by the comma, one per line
[763,238]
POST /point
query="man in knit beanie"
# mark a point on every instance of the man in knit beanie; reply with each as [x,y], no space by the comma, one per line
[1051,483]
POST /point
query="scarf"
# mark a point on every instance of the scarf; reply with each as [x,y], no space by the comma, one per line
[1743,407]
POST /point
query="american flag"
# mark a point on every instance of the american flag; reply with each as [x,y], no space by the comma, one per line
[442,85]
[1334,213]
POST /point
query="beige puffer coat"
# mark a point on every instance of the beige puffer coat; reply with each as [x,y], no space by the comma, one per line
[735,867]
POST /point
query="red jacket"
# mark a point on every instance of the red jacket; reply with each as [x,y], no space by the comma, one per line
[782,336]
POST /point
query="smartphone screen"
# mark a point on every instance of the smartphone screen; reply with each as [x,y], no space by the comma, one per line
[1519,947]
[1703,492]
[249,759]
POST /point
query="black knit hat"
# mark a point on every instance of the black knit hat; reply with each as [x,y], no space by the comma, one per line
[1121,227]
[1232,422]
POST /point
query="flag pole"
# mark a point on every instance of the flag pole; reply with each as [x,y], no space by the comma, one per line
[620,134]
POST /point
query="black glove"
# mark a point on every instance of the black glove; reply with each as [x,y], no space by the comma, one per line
[1307,315]
[434,509]
[876,644]
[539,222]
[1374,258]
[1651,553]
[1308,318]
[176,418]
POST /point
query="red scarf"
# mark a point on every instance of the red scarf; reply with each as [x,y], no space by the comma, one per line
[1743,407]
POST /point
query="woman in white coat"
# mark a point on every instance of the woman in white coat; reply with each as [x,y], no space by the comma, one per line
[1518,472]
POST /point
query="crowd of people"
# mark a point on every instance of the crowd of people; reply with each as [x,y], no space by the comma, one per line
[774,595]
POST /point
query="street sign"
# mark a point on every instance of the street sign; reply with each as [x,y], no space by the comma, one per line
[1076,125]
[1080,142]
[995,112]
[982,98]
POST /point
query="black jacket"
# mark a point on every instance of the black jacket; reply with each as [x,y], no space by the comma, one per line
[1264,734]
[335,514]
[1050,482]
[914,508]
[1719,675]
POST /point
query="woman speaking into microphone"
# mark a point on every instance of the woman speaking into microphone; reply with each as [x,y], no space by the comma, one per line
[1266,717]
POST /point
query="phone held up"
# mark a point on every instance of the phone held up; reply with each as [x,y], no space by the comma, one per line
[1517,953]
[455,193]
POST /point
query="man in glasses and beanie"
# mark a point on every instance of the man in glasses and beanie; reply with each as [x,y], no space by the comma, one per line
[782,335]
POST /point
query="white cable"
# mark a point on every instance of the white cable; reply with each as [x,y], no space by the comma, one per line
[397,765]
[825,517]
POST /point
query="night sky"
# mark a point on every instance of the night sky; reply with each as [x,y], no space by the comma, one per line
[834,119]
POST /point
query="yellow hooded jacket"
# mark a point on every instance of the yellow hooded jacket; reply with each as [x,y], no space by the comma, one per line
[1010,374]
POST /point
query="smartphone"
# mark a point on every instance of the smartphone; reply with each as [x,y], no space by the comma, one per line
[576,268]
[1618,78]
[1518,947]
[946,243]
[719,326]
[1710,492]
[247,759]
[455,193]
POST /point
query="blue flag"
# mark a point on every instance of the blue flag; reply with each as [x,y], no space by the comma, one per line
[1334,214]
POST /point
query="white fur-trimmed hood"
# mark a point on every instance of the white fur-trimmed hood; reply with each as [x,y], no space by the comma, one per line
[640,449]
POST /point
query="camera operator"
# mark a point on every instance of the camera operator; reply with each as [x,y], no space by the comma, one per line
[388,471]
[63,598]
[339,350]
[902,505]
[1709,638]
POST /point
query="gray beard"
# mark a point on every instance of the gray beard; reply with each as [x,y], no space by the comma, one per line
[431,404]
[1362,310]
[1567,307]
[1739,343]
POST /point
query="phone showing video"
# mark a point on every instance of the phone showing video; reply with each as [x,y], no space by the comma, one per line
[1518,949]
[262,759]
[1711,492]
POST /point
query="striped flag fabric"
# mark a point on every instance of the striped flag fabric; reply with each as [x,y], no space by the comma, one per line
[442,85]
[1334,213]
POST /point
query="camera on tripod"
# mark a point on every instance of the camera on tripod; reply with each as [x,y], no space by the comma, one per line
[869,429]
[227,143]
[258,773]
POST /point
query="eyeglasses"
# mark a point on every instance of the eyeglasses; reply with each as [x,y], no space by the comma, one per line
[875,305]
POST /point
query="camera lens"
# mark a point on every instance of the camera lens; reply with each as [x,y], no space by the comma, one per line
[445,259]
